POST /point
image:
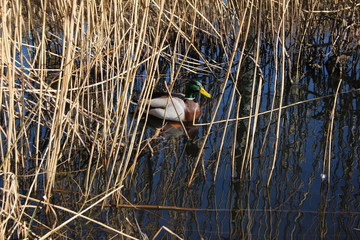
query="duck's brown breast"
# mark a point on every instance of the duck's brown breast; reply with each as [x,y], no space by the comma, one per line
[192,109]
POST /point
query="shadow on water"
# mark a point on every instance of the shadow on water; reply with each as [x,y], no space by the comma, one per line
[230,196]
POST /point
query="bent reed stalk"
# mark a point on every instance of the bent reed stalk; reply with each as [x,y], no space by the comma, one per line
[70,69]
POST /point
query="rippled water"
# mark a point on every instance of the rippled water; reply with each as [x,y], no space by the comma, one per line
[311,195]
[304,198]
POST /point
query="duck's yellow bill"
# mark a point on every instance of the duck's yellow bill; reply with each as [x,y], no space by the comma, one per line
[205,93]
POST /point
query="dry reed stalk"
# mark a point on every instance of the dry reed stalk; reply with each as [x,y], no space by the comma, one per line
[235,137]
[9,34]
[134,57]
[174,235]
[76,215]
[57,129]
[230,62]
[42,74]
[275,110]
[235,90]
[10,108]
[80,214]
[256,84]
[143,107]
[11,207]
[282,85]
[329,136]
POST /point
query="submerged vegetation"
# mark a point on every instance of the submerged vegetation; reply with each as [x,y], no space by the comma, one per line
[70,71]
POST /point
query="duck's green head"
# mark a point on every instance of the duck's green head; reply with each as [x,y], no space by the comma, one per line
[193,87]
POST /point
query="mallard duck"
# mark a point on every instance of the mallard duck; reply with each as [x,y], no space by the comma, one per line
[180,107]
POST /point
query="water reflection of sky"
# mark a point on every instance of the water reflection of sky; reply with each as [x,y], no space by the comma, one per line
[294,199]
[298,202]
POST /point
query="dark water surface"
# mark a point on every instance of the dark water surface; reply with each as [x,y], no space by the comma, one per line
[304,199]
[311,195]
[229,197]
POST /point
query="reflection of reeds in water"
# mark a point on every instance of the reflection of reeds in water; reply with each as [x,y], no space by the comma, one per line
[70,69]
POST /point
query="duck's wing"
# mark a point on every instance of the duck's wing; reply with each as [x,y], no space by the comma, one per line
[162,100]
[159,102]
[168,109]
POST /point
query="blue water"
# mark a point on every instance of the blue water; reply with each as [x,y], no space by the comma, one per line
[303,199]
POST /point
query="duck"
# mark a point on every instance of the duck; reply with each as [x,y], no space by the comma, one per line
[178,107]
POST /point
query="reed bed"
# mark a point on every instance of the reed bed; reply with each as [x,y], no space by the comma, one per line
[71,69]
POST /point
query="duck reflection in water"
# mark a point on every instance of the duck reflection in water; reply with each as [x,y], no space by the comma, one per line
[174,129]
